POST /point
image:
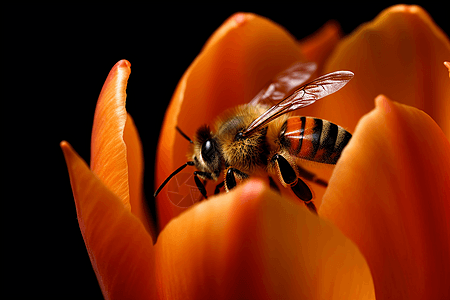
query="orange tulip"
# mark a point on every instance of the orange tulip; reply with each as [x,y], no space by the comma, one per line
[384,221]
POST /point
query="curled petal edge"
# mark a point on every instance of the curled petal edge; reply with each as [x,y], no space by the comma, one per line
[108,148]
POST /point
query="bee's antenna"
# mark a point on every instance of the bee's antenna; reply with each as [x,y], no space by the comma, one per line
[189,163]
[184,135]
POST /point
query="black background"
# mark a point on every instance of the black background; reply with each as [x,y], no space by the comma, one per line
[58,58]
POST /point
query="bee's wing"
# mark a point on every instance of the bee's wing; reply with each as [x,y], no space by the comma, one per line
[284,83]
[304,96]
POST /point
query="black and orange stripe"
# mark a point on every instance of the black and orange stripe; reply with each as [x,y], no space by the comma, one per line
[313,139]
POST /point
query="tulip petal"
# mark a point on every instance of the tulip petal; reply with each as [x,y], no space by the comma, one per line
[398,54]
[318,47]
[390,194]
[108,149]
[253,244]
[236,62]
[120,249]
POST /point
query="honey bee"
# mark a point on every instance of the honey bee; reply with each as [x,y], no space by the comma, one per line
[263,136]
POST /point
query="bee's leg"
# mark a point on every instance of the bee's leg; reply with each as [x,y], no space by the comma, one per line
[288,177]
[218,187]
[199,184]
[302,191]
[287,174]
[230,178]
[311,207]
[311,176]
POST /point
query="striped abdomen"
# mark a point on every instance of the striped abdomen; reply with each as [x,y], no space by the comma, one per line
[313,139]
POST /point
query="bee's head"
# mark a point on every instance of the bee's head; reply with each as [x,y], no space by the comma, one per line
[206,153]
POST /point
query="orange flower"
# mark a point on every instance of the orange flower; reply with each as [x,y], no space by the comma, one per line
[384,225]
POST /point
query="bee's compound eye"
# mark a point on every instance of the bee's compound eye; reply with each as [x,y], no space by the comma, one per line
[208,150]
[239,136]
[206,147]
